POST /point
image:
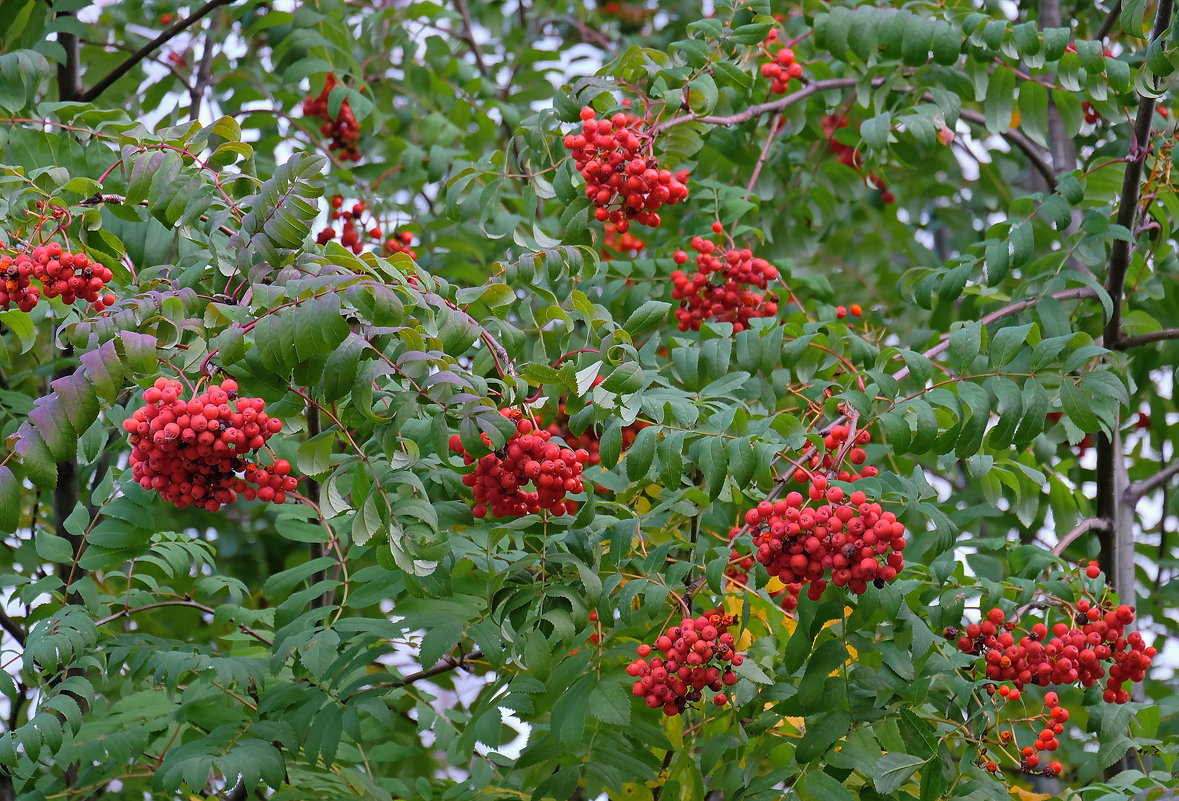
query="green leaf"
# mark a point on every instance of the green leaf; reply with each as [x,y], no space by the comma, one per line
[821,735]
[625,378]
[875,130]
[820,786]
[918,38]
[640,454]
[893,770]
[651,314]
[10,505]
[999,99]
[714,463]
[1008,343]
[671,459]
[1033,111]
[965,345]
[52,548]
[610,703]
[947,44]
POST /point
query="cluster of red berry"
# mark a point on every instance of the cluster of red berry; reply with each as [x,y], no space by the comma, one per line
[855,310]
[697,655]
[191,451]
[781,67]
[1051,723]
[620,244]
[830,460]
[845,154]
[271,485]
[353,229]
[623,184]
[724,286]
[499,479]
[343,129]
[1077,653]
[853,541]
[62,274]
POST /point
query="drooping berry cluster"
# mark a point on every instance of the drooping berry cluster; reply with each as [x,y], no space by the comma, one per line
[499,481]
[725,286]
[401,244]
[697,655]
[354,227]
[620,244]
[192,451]
[827,534]
[620,180]
[65,275]
[1050,723]
[1093,647]
[343,129]
[846,154]
[781,66]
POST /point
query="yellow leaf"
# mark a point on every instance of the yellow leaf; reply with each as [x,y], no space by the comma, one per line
[1027,795]
[635,792]
[675,731]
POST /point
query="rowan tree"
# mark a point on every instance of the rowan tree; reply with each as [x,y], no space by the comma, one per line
[739,400]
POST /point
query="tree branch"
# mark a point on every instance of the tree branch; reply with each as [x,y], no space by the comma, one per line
[313,494]
[1027,146]
[1119,260]
[1146,339]
[139,55]
[196,93]
[1111,469]
[1006,311]
[1108,23]
[763,108]
[12,627]
[188,603]
[447,664]
[1092,524]
[1140,488]
[68,72]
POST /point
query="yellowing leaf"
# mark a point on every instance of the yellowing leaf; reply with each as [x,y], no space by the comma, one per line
[635,792]
[1027,795]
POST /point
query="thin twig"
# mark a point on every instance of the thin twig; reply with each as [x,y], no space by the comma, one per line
[763,108]
[190,604]
[761,158]
[447,664]
[204,75]
[139,55]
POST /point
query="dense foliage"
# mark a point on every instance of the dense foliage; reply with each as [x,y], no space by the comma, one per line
[544,400]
